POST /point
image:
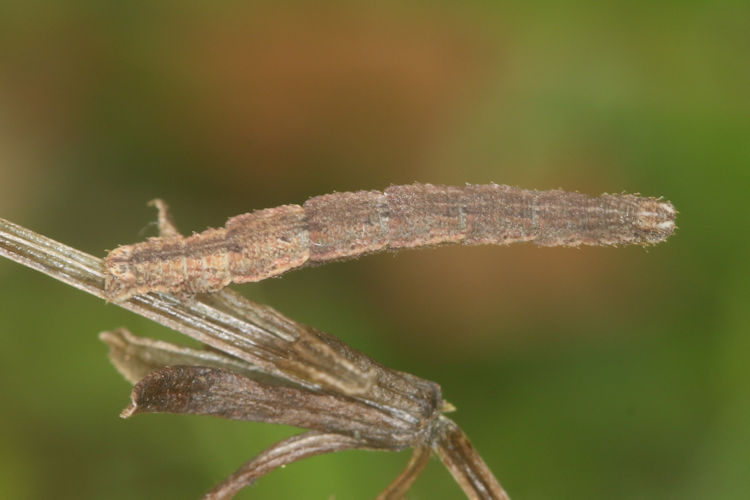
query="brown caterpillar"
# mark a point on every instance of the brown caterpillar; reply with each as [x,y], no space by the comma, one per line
[257,245]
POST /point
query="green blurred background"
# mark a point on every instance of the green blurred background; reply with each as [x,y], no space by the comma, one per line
[578,373]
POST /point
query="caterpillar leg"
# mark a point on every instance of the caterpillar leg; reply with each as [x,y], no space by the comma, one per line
[166,223]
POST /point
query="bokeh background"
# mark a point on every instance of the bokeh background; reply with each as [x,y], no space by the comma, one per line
[578,373]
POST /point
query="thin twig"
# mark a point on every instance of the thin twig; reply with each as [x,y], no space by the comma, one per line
[290,450]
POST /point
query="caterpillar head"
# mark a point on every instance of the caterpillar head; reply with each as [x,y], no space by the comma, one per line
[120,277]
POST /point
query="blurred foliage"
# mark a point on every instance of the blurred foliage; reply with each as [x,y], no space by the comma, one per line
[589,373]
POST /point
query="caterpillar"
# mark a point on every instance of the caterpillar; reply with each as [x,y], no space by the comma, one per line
[265,243]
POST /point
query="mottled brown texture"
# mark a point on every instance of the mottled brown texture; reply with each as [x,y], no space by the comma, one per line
[265,243]
[424,215]
[343,225]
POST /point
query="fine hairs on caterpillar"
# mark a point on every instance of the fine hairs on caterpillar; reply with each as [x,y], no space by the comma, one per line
[265,243]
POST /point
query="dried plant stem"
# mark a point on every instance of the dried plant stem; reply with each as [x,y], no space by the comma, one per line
[467,467]
[400,485]
[394,410]
[283,453]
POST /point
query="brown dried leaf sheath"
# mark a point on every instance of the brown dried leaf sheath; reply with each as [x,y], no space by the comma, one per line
[223,387]
[265,243]
[293,373]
